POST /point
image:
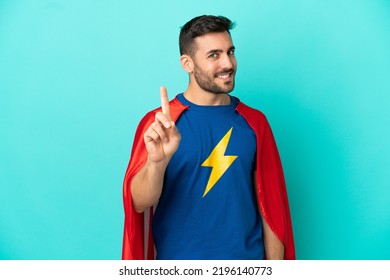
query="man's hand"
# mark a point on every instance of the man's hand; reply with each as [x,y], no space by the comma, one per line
[162,138]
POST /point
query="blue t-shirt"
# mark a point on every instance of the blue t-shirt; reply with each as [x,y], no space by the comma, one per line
[208,209]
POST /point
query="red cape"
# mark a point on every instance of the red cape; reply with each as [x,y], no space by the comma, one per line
[271,188]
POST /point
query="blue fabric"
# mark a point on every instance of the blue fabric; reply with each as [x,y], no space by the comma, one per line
[224,223]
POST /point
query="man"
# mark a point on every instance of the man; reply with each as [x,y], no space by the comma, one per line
[209,163]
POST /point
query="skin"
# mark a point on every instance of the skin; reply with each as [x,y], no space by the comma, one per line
[214,55]
[211,71]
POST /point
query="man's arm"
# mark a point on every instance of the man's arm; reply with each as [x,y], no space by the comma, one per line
[146,186]
[274,248]
[161,139]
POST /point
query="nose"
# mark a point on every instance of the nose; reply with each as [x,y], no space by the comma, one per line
[227,61]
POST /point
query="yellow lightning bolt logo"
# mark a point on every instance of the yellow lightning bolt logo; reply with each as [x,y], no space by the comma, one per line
[218,161]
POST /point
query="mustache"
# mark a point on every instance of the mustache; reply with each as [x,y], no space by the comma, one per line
[227,71]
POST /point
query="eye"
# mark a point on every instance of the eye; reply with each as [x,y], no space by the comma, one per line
[213,55]
[231,52]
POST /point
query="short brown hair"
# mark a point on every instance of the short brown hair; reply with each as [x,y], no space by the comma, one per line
[199,26]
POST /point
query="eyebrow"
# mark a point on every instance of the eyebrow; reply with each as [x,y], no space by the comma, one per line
[220,51]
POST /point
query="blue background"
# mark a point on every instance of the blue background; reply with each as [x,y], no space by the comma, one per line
[77,76]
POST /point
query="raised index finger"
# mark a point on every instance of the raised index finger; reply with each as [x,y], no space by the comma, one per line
[165,102]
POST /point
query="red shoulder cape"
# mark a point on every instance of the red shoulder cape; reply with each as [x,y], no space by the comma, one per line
[271,188]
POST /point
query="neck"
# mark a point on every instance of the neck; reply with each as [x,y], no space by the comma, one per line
[201,97]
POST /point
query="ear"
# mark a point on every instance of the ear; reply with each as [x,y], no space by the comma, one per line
[187,63]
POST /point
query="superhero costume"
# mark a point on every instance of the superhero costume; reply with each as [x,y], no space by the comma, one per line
[271,191]
[207,209]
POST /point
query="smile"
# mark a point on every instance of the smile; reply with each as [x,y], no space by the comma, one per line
[225,76]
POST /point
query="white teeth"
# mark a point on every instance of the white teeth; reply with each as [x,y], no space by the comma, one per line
[224,76]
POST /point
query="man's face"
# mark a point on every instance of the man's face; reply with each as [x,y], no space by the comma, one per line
[214,62]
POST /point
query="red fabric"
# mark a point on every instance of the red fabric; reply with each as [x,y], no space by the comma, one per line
[271,189]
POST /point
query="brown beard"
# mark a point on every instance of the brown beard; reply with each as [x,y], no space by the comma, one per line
[207,83]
